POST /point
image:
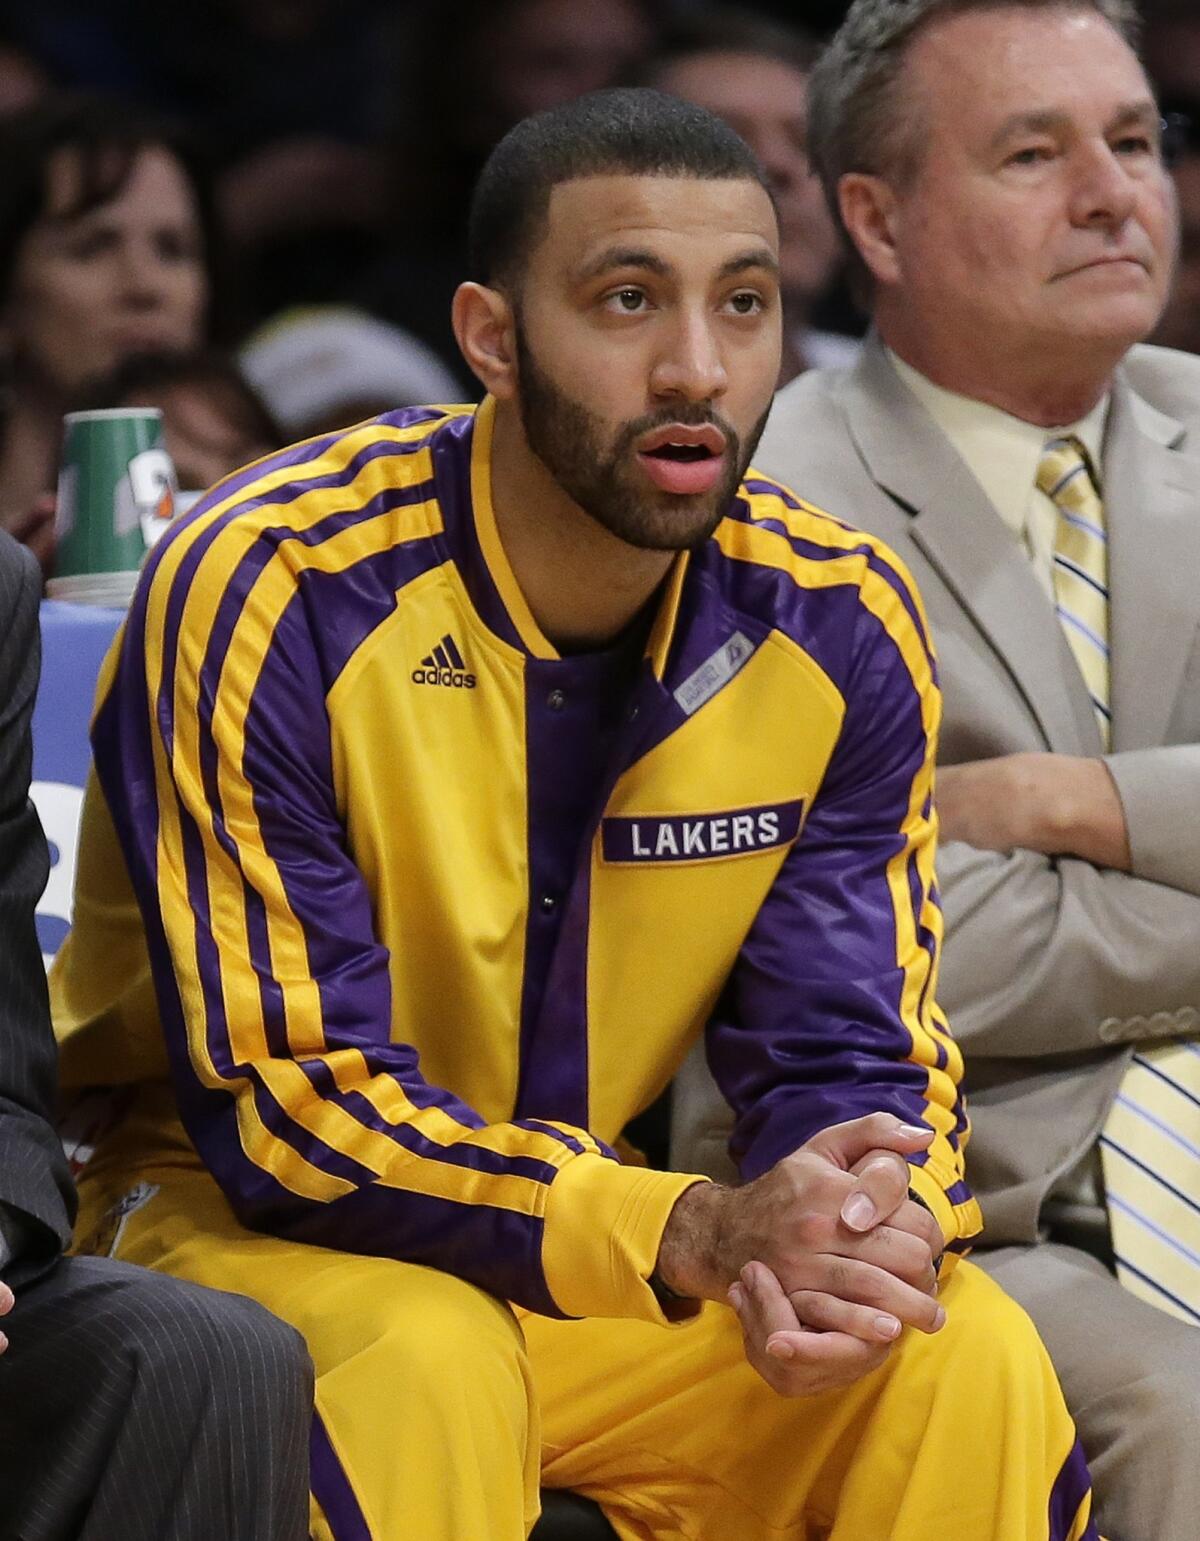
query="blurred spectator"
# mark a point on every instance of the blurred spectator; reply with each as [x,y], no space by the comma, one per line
[214,421]
[754,74]
[107,248]
[1171,49]
[329,367]
[22,81]
[288,95]
[465,74]
[1180,324]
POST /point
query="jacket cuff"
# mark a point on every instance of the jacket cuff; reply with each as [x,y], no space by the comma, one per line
[603,1228]
[957,1221]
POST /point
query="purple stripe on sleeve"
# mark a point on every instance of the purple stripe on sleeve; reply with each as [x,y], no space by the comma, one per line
[536,1126]
[809,1031]
[1070,1488]
[331,1487]
[281,713]
[452,472]
[818,553]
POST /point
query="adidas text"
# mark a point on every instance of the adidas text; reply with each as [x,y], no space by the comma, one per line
[453,677]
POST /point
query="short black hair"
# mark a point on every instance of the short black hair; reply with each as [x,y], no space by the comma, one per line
[631,131]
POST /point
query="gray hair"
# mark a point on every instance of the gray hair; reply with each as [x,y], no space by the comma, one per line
[856,120]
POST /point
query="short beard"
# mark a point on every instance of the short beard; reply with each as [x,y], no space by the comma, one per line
[569,441]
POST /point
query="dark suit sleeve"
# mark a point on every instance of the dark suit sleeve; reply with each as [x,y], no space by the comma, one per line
[34,1181]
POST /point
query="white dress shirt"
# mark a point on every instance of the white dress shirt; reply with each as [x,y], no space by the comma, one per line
[1002,452]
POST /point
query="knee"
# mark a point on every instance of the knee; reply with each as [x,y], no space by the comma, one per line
[210,1346]
[989,1341]
[1158,1409]
[449,1344]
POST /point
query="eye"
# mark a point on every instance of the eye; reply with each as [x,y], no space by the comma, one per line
[89,244]
[1135,145]
[176,246]
[746,303]
[626,301]
[1030,155]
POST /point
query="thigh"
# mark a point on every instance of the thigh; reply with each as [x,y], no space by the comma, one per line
[124,1396]
[677,1437]
[414,1368]
[1131,1377]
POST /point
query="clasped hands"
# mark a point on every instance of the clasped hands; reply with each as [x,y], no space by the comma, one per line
[825,1258]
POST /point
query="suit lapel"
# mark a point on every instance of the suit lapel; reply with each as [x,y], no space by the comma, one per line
[963,537]
[1154,562]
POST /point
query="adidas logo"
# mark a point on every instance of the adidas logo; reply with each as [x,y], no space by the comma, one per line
[444,666]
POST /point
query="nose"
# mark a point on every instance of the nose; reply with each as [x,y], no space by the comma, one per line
[1104,193]
[142,277]
[690,365]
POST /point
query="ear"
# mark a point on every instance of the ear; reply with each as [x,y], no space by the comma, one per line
[869,213]
[483,325]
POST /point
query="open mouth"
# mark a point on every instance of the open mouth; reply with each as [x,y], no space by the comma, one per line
[683,469]
[684,454]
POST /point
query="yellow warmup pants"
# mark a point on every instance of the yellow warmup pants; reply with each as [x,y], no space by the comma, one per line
[439,1411]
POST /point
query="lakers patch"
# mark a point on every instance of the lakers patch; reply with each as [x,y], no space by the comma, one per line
[694,837]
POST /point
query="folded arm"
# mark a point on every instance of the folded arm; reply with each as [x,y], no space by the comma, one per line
[830,1013]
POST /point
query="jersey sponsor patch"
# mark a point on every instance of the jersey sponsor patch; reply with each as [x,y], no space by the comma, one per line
[104,1240]
[444,665]
[683,837]
[716,670]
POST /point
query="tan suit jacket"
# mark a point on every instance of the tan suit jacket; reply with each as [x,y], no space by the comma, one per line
[1052,969]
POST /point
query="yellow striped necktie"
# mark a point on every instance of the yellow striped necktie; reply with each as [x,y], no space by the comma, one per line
[1080,566]
[1150,1145]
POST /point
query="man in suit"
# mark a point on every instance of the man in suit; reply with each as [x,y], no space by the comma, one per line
[998,171]
[131,1405]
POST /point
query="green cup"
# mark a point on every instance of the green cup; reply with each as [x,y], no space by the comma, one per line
[115,484]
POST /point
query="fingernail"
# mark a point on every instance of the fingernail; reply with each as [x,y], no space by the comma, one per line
[858,1212]
[747,1277]
[780,1350]
[6,1299]
[3,1342]
[887,1326]
[734,1296]
[939,1319]
[914,1129]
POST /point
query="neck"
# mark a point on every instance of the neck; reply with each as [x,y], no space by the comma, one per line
[29,447]
[582,585]
[1040,382]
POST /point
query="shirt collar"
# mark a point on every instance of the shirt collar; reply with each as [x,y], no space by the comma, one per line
[1001,451]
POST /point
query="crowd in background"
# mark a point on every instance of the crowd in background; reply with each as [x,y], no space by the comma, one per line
[251,212]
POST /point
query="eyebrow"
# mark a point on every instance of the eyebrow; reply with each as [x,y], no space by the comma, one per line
[650,262]
[625,257]
[1143,112]
[762,257]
